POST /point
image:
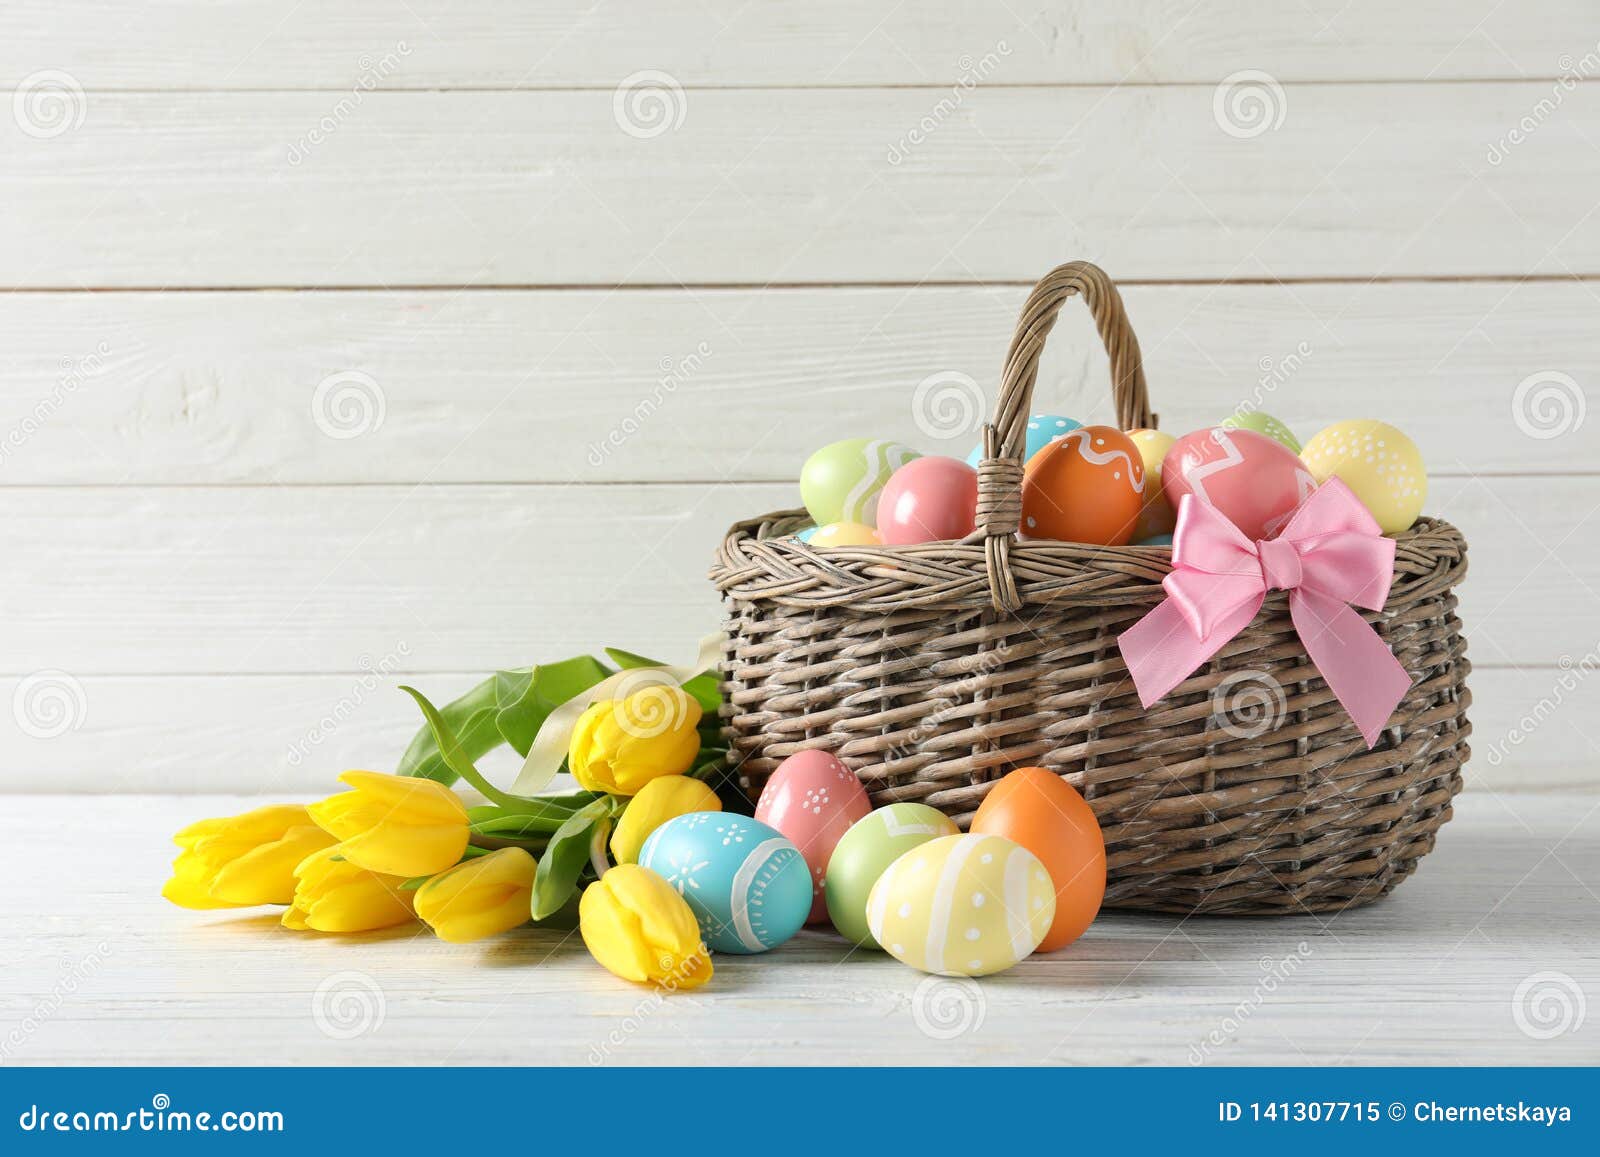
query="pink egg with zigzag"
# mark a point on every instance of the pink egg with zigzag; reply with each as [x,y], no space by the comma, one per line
[1255,482]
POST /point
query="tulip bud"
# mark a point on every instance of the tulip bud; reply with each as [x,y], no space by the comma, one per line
[619,745]
[639,928]
[243,860]
[657,802]
[333,895]
[395,825]
[481,897]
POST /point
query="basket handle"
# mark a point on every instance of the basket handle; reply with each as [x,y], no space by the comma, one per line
[1004,439]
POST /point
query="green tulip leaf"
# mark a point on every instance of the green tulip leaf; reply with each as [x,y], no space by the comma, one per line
[456,758]
[569,852]
[472,719]
[508,707]
[527,696]
[531,824]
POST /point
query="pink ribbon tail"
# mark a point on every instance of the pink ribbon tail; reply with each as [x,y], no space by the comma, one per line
[1352,657]
[1162,649]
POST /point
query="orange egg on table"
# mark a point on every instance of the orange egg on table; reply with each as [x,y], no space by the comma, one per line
[1086,486]
[1041,811]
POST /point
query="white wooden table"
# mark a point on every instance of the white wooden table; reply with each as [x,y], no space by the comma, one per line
[1489,955]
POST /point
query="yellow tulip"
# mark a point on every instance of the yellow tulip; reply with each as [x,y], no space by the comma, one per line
[482,897]
[395,825]
[657,802]
[637,926]
[333,895]
[619,745]
[243,860]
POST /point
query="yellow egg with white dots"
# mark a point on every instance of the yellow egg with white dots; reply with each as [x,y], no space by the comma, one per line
[1379,463]
[962,905]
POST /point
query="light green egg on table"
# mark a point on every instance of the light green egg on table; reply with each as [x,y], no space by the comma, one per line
[841,482]
[862,854]
[1262,424]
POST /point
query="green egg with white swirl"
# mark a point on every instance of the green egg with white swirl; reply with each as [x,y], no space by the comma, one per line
[841,482]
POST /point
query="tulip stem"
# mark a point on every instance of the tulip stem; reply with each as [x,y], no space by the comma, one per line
[597,850]
[488,790]
[457,759]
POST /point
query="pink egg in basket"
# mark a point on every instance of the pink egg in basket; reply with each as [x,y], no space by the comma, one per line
[1256,482]
[812,799]
[930,499]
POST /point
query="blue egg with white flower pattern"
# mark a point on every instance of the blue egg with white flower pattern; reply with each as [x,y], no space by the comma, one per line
[747,885]
[1043,429]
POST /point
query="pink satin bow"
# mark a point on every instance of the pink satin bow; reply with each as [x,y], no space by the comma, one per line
[1330,558]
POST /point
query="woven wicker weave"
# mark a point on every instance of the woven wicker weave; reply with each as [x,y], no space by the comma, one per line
[932,670]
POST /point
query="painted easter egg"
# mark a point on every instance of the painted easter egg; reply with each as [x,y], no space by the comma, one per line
[1087,486]
[841,481]
[806,534]
[962,905]
[845,534]
[1156,516]
[1262,424]
[1155,540]
[1379,463]
[866,850]
[813,799]
[1042,430]
[1041,811]
[747,885]
[928,500]
[1253,481]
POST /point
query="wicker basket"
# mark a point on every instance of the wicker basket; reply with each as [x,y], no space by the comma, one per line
[931,670]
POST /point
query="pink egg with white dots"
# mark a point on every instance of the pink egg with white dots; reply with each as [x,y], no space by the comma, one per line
[813,799]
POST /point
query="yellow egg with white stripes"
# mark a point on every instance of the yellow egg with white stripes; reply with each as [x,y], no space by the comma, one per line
[962,905]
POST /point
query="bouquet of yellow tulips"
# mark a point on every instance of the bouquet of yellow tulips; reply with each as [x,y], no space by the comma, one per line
[405,848]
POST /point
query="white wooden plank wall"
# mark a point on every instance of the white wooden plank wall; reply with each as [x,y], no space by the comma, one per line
[360,341]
